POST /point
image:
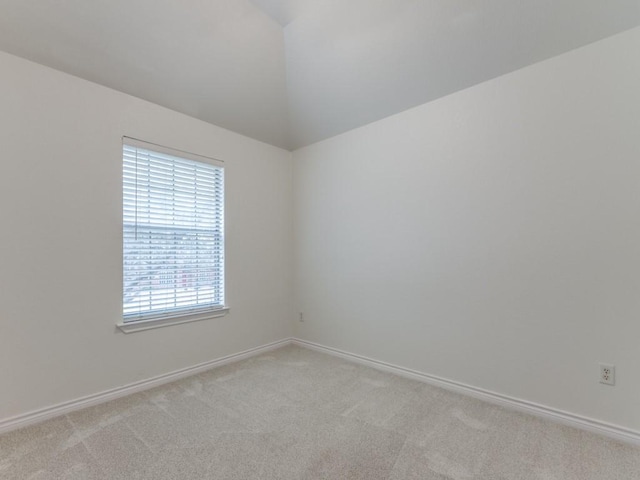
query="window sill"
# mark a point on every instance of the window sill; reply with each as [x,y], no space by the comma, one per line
[141,325]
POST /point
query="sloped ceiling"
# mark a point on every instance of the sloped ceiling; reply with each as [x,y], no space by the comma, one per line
[219,60]
[293,72]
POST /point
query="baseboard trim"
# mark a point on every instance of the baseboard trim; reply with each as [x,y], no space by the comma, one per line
[36,416]
[577,421]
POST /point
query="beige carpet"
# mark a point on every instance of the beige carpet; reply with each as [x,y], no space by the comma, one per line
[298,414]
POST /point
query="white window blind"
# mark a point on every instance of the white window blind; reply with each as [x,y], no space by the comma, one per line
[173,233]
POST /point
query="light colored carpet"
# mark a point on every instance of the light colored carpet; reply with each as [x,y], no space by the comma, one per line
[298,414]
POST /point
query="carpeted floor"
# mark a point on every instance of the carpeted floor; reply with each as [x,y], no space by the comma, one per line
[298,414]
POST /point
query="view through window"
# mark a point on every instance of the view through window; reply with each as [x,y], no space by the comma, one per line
[173,233]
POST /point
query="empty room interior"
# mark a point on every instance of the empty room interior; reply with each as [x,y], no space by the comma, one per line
[320,239]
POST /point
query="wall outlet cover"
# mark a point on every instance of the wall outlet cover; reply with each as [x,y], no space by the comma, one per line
[607,374]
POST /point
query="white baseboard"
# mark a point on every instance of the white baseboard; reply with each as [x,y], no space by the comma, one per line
[596,426]
[40,415]
[577,421]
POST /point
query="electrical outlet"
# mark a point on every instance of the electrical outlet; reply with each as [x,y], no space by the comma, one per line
[607,374]
[301,317]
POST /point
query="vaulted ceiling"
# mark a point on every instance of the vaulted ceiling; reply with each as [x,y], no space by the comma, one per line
[293,72]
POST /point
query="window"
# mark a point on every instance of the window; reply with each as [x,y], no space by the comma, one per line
[173,236]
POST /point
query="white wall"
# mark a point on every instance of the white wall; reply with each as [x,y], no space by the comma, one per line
[60,240]
[491,237]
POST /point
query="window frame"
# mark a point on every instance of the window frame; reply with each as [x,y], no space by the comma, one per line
[129,324]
